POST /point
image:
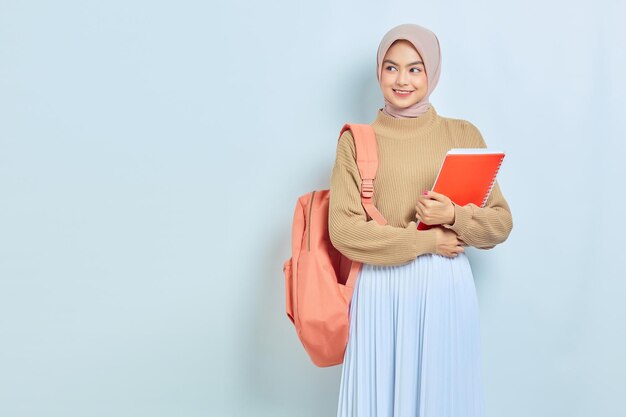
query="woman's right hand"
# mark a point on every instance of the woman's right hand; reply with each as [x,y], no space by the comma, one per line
[448,243]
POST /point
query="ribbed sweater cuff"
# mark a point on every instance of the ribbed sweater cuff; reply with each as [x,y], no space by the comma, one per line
[425,241]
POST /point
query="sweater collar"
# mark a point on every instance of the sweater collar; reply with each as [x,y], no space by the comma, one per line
[406,127]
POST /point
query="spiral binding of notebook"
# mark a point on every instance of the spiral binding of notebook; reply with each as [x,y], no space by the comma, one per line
[493,183]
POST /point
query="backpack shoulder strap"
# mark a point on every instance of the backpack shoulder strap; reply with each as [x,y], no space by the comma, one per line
[367,161]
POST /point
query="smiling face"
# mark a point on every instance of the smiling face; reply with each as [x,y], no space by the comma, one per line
[403,80]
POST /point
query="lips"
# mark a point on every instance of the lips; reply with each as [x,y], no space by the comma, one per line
[402,93]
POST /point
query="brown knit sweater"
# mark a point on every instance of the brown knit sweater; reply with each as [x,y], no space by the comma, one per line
[410,152]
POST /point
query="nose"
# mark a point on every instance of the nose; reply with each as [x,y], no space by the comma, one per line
[402,78]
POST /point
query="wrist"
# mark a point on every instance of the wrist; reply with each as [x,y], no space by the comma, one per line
[451,216]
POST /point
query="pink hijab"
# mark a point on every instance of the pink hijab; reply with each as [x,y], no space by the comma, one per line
[427,46]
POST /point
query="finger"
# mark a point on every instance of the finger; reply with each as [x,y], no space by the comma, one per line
[437,196]
[426,204]
[426,196]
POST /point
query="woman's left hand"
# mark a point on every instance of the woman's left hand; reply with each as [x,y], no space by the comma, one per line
[434,208]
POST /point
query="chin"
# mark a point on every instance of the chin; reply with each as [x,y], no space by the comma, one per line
[400,104]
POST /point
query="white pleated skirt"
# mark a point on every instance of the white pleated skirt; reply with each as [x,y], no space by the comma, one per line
[414,343]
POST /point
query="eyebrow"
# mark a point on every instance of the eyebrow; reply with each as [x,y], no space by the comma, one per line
[412,63]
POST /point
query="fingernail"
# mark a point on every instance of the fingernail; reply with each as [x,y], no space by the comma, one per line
[425,192]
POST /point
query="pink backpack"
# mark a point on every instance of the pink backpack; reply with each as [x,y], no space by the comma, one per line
[319,280]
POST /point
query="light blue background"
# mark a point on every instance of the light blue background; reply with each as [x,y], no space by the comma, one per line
[151,154]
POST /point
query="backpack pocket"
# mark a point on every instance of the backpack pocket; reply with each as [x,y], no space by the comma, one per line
[287,271]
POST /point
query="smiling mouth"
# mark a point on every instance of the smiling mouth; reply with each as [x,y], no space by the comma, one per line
[402,92]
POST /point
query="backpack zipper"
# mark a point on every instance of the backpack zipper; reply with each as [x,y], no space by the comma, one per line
[308,232]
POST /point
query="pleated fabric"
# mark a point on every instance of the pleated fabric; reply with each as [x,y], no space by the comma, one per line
[414,343]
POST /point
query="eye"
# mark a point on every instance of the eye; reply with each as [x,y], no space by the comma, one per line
[390,68]
[417,70]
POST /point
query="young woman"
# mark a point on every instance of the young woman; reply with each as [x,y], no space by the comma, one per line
[413,348]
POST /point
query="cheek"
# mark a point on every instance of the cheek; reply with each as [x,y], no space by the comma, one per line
[386,79]
[422,81]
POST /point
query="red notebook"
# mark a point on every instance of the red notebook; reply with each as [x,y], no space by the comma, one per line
[467,175]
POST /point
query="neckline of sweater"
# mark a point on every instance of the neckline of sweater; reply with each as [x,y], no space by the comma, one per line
[404,128]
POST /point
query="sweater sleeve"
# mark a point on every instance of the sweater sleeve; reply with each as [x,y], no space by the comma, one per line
[350,232]
[483,227]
